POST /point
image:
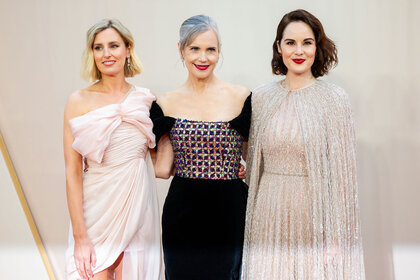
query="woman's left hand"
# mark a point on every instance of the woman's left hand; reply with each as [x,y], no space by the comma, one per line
[242,172]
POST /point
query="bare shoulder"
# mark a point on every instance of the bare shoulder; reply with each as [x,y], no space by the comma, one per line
[76,103]
[168,99]
[75,99]
[168,96]
[237,91]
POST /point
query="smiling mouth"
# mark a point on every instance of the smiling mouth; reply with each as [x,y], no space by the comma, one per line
[299,60]
[201,67]
[109,62]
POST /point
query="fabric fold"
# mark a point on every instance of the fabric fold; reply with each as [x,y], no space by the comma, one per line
[119,195]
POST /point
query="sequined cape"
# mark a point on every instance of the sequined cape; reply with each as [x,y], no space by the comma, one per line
[325,119]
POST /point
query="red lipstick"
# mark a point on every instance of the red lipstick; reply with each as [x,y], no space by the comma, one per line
[201,67]
[299,60]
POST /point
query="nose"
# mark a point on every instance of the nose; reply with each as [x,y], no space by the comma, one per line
[107,52]
[299,49]
[203,57]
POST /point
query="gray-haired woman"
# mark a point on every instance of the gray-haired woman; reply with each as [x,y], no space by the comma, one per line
[200,129]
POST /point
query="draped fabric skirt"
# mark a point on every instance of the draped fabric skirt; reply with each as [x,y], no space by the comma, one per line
[121,209]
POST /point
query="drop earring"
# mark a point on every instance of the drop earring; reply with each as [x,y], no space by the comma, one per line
[128,62]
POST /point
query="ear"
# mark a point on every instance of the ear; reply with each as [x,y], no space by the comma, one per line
[180,51]
[128,52]
[278,47]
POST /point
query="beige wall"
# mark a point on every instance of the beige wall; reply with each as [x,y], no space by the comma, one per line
[17,244]
[40,50]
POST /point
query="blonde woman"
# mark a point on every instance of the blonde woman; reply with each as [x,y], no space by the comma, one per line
[112,201]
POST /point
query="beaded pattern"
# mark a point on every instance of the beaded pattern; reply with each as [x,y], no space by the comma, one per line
[302,218]
[206,150]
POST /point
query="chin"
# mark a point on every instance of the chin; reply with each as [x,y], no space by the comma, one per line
[111,72]
[202,76]
[299,72]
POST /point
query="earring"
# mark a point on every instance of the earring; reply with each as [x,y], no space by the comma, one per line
[280,54]
[128,62]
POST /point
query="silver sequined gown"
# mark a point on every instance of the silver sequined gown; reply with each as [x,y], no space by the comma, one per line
[302,214]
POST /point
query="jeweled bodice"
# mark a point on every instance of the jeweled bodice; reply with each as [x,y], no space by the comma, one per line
[206,150]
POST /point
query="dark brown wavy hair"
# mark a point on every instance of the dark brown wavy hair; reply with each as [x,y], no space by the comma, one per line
[326,52]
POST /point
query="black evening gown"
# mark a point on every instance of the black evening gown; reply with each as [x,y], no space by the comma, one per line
[204,212]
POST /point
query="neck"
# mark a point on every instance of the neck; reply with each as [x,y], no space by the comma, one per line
[111,84]
[200,85]
[294,81]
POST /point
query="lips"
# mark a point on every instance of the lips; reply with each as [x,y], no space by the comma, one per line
[298,60]
[201,67]
[109,62]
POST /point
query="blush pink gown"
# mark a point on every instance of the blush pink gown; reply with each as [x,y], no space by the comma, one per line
[119,196]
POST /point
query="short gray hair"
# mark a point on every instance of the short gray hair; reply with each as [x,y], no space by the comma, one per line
[194,26]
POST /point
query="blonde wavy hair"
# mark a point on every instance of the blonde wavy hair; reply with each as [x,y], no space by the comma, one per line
[90,71]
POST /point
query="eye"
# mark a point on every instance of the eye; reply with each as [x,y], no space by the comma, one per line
[194,48]
[290,43]
[97,48]
[212,49]
[307,43]
[114,46]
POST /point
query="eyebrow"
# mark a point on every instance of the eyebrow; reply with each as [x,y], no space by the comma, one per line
[303,39]
[113,42]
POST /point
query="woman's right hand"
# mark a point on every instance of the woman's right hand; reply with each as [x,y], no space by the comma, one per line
[84,257]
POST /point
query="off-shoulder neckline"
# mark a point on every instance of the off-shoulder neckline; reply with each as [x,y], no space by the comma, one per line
[198,121]
[133,88]
[201,121]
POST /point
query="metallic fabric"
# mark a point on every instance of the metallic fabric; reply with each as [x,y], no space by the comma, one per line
[206,150]
[303,212]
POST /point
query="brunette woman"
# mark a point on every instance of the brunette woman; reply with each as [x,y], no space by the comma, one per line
[303,212]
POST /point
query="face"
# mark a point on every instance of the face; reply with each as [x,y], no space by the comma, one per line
[201,55]
[298,48]
[110,52]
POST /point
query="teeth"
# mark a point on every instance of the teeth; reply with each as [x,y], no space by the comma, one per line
[109,62]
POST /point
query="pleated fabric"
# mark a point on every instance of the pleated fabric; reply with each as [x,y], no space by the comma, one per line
[302,214]
[119,195]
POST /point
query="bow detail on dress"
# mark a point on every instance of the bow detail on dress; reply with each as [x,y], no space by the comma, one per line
[92,131]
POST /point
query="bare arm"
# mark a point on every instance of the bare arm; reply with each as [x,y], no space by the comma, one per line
[163,159]
[84,254]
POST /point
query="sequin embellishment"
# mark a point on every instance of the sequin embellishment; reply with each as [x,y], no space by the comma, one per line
[206,150]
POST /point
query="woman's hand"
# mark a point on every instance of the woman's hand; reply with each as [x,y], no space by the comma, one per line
[242,172]
[84,257]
